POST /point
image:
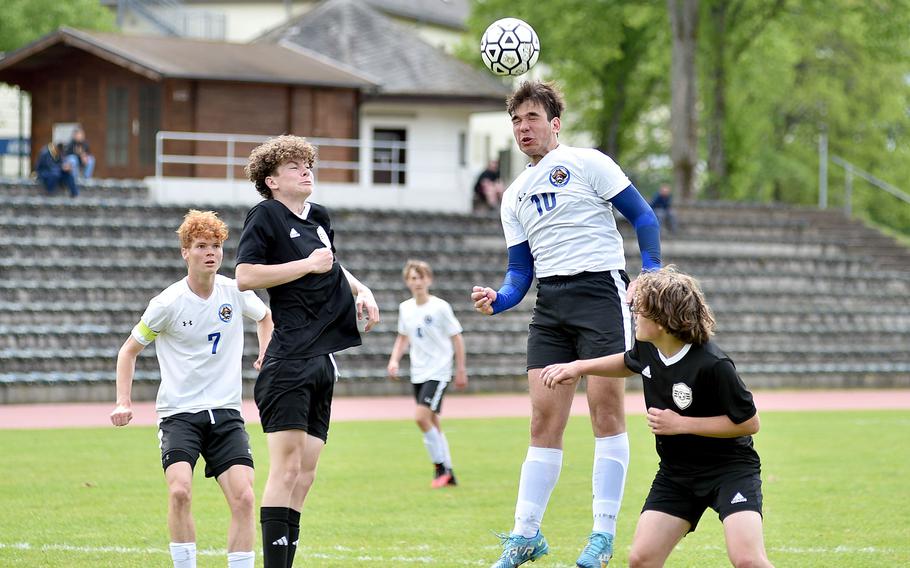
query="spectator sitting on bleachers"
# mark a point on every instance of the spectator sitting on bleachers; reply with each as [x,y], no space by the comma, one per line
[488,188]
[662,206]
[79,155]
[53,170]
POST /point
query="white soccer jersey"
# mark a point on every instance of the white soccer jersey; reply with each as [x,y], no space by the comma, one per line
[199,344]
[429,328]
[560,207]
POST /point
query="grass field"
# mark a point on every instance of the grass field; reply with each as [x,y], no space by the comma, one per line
[835,486]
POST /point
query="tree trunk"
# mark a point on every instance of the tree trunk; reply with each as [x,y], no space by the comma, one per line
[718,171]
[683,119]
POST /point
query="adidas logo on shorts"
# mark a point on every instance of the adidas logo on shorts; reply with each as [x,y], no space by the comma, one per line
[738,498]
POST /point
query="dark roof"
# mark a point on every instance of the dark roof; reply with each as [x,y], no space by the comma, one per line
[446,13]
[404,65]
[166,57]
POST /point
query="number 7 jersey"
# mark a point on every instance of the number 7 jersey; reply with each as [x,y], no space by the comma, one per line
[560,206]
[199,345]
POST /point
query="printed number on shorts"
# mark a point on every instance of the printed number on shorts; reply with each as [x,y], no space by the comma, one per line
[215,338]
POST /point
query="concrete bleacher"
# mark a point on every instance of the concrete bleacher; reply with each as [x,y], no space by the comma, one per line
[803,298]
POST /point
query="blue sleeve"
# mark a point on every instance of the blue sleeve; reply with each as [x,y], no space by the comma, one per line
[647,228]
[517,282]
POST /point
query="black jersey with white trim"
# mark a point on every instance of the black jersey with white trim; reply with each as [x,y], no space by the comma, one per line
[315,314]
[699,381]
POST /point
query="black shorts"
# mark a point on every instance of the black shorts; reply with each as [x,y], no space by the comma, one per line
[430,394]
[219,435]
[579,317]
[296,394]
[688,497]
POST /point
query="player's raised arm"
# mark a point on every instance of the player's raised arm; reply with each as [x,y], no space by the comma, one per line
[517,282]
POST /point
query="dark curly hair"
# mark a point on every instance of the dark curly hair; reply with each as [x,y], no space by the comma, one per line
[675,301]
[268,156]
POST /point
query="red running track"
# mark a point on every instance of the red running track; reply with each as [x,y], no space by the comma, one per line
[455,406]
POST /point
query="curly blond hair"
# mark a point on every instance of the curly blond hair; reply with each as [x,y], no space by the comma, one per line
[201,225]
[268,156]
[675,301]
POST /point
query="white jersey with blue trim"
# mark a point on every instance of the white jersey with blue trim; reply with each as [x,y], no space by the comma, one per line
[429,327]
[560,206]
[199,345]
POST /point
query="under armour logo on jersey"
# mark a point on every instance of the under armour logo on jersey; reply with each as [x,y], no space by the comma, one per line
[646,372]
[738,498]
[294,233]
[186,323]
[283,541]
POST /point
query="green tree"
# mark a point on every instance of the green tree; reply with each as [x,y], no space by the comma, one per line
[609,57]
[841,67]
[24,21]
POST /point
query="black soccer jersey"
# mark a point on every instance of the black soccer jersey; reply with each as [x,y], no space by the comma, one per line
[313,315]
[699,381]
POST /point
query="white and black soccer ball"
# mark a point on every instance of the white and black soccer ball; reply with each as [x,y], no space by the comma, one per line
[509,47]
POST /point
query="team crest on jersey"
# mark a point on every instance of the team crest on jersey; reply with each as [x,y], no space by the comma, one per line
[225,312]
[428,319]
[559,176]
[682,395]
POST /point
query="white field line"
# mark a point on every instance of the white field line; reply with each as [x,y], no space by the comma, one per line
[343,553]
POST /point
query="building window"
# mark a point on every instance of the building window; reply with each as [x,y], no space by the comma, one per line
[149,122]
[118,126]
[389,156]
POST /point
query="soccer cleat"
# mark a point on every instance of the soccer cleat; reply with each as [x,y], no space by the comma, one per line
[443,478]
[598,552]
[453,482]
[517,549]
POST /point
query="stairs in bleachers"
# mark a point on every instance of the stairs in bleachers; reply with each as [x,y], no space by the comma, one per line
[803,298]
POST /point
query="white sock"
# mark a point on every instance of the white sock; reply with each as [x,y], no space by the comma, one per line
[432,439]
[611,461]
[183,554]
[447,455]
[242,559]
[539,474]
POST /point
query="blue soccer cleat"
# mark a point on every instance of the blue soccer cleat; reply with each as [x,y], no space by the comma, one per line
[597,552]
[516,549]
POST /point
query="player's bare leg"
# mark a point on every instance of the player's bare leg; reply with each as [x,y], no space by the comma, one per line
[550,410]
[745,540]
[179,478]
[237,485]
[655,537]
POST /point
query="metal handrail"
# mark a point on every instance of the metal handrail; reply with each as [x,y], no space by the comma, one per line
[230,160]
[849,171]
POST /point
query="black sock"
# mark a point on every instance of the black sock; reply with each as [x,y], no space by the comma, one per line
[293,535]
[275,541]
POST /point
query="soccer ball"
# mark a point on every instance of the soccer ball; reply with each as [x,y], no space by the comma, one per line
[509,47]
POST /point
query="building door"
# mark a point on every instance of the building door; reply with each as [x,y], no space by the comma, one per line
[389,156]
